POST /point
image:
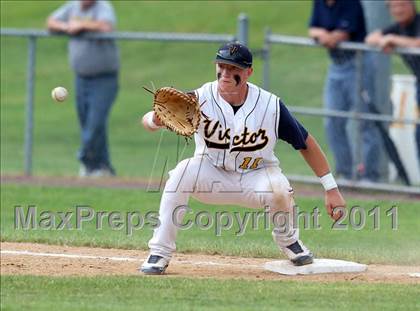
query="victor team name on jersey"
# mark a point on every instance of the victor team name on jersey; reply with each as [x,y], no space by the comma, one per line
[246,141]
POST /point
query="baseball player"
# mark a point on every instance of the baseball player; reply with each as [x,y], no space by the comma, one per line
[234,161]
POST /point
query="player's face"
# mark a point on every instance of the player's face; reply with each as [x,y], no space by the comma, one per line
[231,77]
[401,10]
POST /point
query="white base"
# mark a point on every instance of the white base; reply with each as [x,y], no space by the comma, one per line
[318,266]
[415,274]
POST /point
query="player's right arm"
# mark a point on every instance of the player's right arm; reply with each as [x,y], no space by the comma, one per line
[150,122]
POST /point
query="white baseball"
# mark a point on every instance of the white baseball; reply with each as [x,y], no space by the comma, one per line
[59,94]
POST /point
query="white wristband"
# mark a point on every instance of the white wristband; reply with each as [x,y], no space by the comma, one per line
[149,120]
[328,182]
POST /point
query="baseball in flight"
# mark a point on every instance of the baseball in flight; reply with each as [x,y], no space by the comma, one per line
[59,94]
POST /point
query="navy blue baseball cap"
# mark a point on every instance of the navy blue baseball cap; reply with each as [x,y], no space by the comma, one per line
[235,54]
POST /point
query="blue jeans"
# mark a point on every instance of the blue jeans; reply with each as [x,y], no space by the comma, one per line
[340,94]
[94,98]
[418,126]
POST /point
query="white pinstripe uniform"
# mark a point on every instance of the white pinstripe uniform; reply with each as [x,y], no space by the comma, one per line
[234,163]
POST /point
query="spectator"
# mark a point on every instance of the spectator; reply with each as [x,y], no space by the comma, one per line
[96,66]
[404,33]
[332,22]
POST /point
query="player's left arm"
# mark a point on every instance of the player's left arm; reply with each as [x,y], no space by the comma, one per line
[291,131]
[317,160]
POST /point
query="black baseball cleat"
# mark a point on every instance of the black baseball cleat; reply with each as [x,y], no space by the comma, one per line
[298,254]
[303,260]
[155,265]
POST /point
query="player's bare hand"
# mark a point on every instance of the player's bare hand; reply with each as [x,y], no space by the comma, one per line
[156,120]
[151,122]
[334,199]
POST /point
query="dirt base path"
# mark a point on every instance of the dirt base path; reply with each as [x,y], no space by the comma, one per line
[52,260]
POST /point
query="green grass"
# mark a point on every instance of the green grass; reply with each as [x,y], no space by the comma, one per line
[141,293]
[297,76]
[367,245]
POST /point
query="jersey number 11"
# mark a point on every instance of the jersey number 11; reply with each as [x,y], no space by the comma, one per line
[247,160]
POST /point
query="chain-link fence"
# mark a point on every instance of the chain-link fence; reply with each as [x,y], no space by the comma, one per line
[293,68]
[36,52]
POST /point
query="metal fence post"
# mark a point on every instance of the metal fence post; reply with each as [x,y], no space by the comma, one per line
[358,123]
[266,59]
[243,29]
[29,105]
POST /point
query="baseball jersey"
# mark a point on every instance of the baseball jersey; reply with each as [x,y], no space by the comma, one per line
[244,140]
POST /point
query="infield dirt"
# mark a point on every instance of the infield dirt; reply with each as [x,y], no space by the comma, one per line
[86,261]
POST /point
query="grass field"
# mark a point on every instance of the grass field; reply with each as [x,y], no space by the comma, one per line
[131,293]
[114,293]
[398,246]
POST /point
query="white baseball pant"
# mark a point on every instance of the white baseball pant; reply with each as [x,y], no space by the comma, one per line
[197,176]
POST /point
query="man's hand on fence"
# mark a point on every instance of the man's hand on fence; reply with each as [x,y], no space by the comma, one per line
[74,27]
[328,39]
[388,43]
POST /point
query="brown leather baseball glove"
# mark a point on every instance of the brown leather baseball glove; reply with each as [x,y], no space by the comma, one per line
[178,111]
